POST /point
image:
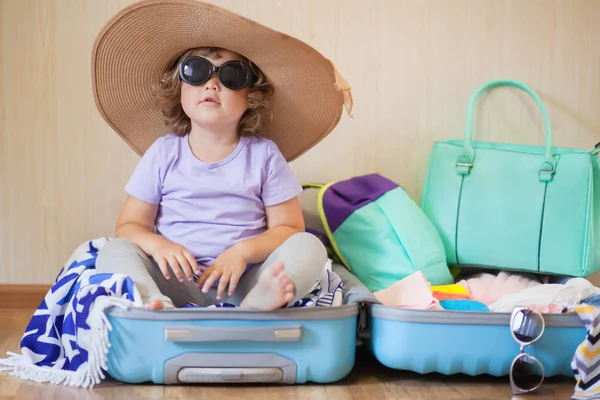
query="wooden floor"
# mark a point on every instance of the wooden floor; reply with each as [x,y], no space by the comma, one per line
[368,380]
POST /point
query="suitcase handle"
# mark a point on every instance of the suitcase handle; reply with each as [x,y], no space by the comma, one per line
[229,375]
[230,368]
[191,333]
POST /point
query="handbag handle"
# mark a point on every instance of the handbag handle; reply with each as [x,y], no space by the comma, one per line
[465,161]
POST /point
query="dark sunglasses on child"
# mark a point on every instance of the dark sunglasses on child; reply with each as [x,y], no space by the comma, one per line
[234,75]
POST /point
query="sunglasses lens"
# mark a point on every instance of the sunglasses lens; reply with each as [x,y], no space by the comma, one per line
[527,326]
[234,76]
[527,373]
[196,71]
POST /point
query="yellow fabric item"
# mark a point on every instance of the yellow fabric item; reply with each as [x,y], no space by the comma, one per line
[451,289]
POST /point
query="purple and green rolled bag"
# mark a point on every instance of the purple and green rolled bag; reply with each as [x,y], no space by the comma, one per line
[379,233]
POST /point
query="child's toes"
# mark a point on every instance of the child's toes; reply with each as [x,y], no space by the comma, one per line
[284,280]
[276,268]
[155,305]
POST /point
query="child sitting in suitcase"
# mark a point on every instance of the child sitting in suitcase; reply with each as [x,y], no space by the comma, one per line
[212,212]
[212,206]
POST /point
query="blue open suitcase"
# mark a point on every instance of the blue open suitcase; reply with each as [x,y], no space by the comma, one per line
[228,345]
[472,343]
[457,342]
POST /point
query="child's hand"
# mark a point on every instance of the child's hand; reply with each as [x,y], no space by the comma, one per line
[182,262]
[229,267]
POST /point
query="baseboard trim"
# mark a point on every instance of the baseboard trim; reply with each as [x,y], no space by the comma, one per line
[14,297]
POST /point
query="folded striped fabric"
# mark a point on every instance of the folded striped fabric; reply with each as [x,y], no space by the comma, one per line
[586,361]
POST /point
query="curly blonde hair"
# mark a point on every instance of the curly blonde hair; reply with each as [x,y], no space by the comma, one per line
[168,95]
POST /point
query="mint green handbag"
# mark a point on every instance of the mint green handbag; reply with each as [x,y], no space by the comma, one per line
[515,207]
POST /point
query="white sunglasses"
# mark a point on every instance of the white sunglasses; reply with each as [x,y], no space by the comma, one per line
[526,371]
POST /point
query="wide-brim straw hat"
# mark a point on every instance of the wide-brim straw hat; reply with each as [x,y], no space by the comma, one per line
[136,45]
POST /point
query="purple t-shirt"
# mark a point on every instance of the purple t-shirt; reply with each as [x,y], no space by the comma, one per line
[208,207]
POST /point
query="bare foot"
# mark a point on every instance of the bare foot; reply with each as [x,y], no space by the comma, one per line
[155,305]
[273,290]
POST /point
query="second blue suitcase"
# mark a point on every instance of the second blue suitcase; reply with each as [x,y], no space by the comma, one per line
[472,343]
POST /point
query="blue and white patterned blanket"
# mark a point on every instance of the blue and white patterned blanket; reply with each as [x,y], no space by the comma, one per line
[66,340]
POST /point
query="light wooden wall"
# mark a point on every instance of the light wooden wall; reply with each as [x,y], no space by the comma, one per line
[412,65]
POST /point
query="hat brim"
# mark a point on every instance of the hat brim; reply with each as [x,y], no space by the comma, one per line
[133,49]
